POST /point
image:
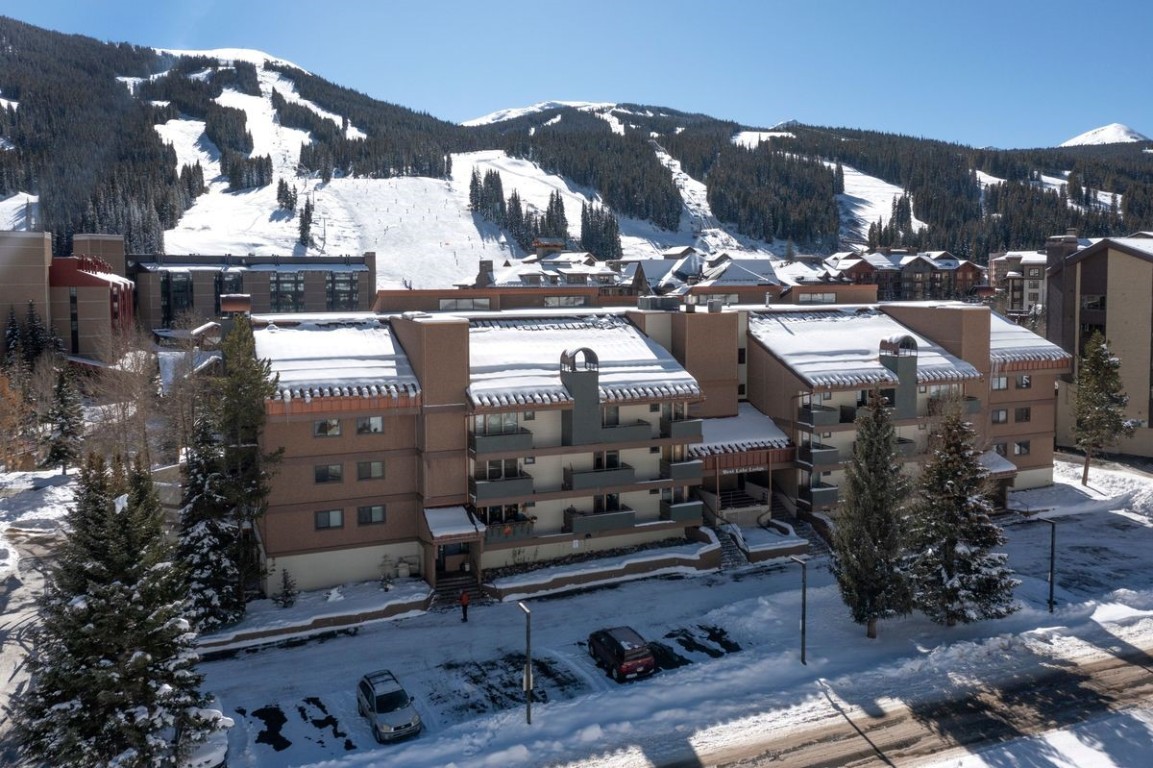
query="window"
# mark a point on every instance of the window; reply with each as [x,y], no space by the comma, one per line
[1093,302]
[1033,273]
[1000,382]
[1021,448]
[611,416]
[740,355]
[329,473]
[369,470]
[740,389]
[330,518]
[816,298]
[1000,448]
[654,407]
[530,415]
[457,305]
[227,282]
[286,291]
[1024,381]
[326,428]
[371,515]
[607,460]
[497,469]
[1000,415]
[495,423]
[654,449]
[369,425]
[530,460]
[565,301]
[341,291]
[1022,414]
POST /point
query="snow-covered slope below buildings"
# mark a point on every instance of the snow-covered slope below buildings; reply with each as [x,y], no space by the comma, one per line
[1114,133]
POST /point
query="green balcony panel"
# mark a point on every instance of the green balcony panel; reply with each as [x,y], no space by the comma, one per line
[691,512]
[484,490]
[519,441]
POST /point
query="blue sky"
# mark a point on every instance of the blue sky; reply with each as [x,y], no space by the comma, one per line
[1013,73]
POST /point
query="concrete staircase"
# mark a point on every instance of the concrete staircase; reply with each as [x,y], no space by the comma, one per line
[447,594]
[732,556]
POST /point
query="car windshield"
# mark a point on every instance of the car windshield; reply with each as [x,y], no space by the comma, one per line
[392,701]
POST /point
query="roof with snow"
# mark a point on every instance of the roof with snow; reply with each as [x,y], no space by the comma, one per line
[749,430]
[840,348]
[1012,343]
[996,465]
[516,361]
[452,523]
[315,359]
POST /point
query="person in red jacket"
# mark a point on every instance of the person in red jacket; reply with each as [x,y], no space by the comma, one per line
[464,605]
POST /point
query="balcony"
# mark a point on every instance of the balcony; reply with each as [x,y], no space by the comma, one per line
[819,415]
[683,471]
[511,442]
[819,455]
[505,487]
[969,404]
[580,521]
[637,432]
[691,512]
[821,495]
[595,479]
[513,530]
[681,429]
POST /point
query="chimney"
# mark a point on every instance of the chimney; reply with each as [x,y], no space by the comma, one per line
[1060,247]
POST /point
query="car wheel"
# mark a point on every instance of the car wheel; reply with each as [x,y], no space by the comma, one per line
[618,676]
[376,735]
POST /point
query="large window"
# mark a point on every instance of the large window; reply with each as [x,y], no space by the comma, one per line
[328,473]
[1093,302]
[341,290]
[565,301]
[1024,381]
[330,518]
[817,298]
[369,425]
[1023,414]
[175,295]
[463,305]
[326,428]
[370,515]
[495,423]
[369,470]
[1021,448]
[286,291]
[1000,382]
[1000,415]
[497,469]
[227,281]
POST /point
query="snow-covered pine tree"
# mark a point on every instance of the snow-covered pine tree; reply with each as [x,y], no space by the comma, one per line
[64,424]
[113,659]
[246,384]
[1099,402]
[954,574]
[209,536]
[867,539]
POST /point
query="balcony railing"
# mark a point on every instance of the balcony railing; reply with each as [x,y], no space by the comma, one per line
[519,441]
[818,455]
[594,479]
[627,433]
[681,429]
[906,447]
[818,415]
[691,511]
[969,404]
[484,490]
[582,521]
[513,530]
[821,495]
[684,471]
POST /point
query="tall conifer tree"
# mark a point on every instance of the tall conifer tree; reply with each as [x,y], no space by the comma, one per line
[867,540]
[954,574]
[1099,403]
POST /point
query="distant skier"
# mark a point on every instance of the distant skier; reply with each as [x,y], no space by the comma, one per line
[464,605]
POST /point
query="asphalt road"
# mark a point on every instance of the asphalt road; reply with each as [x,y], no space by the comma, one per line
[849,735]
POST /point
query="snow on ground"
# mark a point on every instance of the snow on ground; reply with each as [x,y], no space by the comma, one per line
[30,501]
[867,200]
[1054,184]
[14,211]
[728,643]
[1113,133]
[752,139]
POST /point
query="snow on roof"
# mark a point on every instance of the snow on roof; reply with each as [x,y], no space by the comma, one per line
[517,361]
[317,360]
[996,464]
[840,348]
[742,272]
[451,521]
[1012,343]
[749,430]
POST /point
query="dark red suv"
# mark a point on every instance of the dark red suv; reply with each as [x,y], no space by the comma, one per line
[622,652]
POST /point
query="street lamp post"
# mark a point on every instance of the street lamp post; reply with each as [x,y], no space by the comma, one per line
[1052,557]
[527,663]
[804,599]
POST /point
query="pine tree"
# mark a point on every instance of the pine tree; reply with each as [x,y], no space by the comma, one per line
[113,657]
[954,575]
[1099,402]
[209,538]
[246,384]
[867,540]
[64,421]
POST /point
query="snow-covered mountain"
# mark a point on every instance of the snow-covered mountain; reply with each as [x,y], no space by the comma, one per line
[1114,133]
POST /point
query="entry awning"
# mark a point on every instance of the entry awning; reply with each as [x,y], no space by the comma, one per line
[451,525]
[998,466]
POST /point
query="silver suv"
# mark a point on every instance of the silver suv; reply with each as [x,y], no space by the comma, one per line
[383,701]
